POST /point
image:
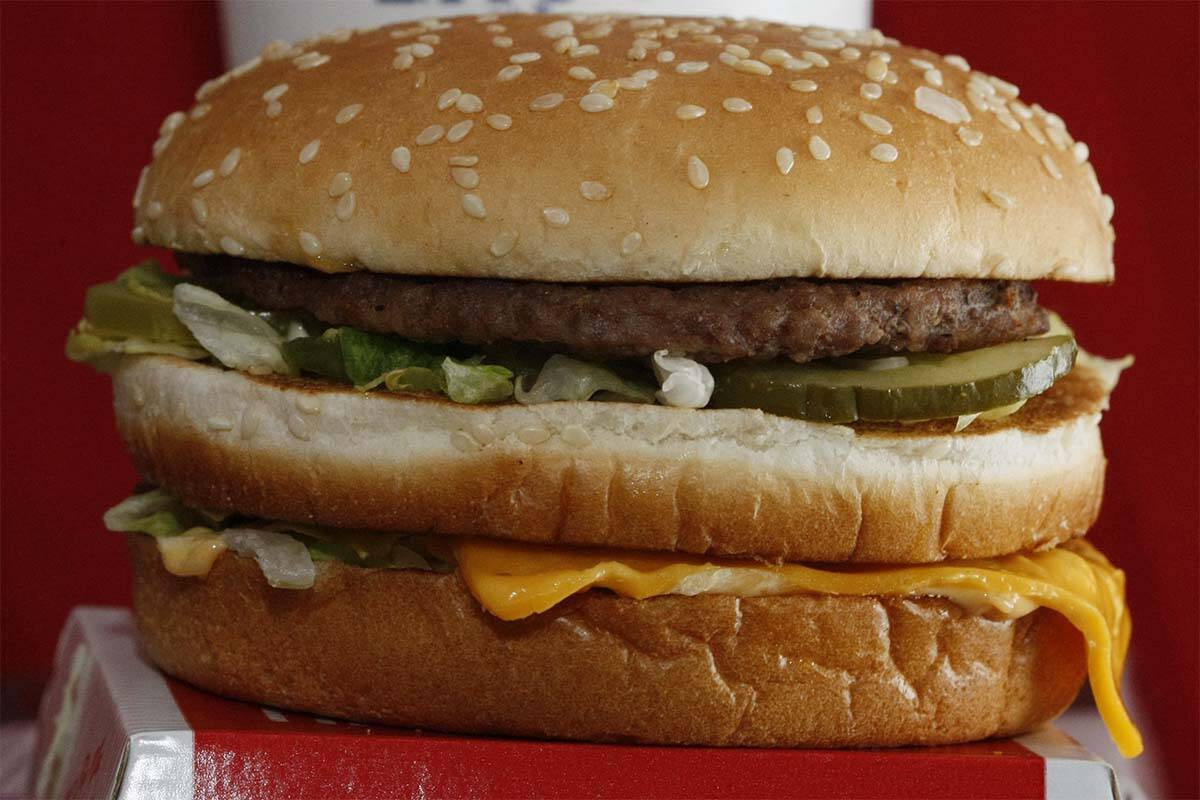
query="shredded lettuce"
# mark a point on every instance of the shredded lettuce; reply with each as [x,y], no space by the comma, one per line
[284,560]
[476,383]
[234,336]
[565,378]
[86,346]
[276,546]
[368,357]
[157,513]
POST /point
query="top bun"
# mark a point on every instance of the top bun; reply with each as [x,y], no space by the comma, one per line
[572,148]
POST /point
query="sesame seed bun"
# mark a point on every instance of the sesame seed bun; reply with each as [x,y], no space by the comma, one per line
[723,481]
[414,648]
[726,152]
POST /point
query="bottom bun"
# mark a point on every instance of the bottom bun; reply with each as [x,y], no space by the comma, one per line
[415,649]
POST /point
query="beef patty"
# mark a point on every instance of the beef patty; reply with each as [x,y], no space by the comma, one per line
[794,318]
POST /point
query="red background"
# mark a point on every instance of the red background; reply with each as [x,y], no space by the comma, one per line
[85,86]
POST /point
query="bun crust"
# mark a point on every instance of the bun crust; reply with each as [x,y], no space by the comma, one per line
[728,481]
[290,158]
[415,649]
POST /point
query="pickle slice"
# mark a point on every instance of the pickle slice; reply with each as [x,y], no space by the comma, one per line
[115,311]
[930,386]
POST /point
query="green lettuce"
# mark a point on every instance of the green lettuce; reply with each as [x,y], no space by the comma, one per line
[565,378]
[233,335]
[157,513]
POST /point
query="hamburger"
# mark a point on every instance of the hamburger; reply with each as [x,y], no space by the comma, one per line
[618,378]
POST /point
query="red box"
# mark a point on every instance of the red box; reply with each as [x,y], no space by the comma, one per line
[113,726]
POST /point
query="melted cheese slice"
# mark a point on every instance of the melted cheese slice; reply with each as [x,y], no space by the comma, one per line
[514,580]
[190,554]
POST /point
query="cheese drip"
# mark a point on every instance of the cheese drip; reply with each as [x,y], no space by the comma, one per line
[514,580]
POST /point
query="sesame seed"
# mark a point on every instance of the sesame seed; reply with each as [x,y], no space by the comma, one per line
[510,72]
[609,88]
[430,135]
[595,101]
[1051,167]
[933,77]
[203,179]
[884,152]
[1004,87]
[141,187]
[970,137]
[564,44]
[1008,120]
[697,172]
[871,91]
[216,423]
[422,50]
[803,85]
[785,159]
[200,111]
[773,55]
[736,105]
[818,148]
[402,158]
[1034,132]
[921,63]
[463,161]
[752,67]
[403,61]
[465,177]
[691,67]
[348,113]
[447,98]
[729,59]
[154,209]
[557,28]
[309,151]
[546,102]
[229,162]
[138,234]
[581,74]
[232,246]
[636,53]
[1000,199]
[936,104]
[503,244]
[737,50]
[524,58]
[875,123]
[1080,151]
[593,190]
[665,56]
[459,131]
[310,60]
[275,92]
[556,217]
[310,244]
[583,50]
[850,53]
[502,41]
[345,206]
[199,210]
[430,38]
[500,122]
[958,62]
[646,74]
[891,78]
[688,111]
[876,68]
[632,83]
[814,115]
[533,435]
[815,58]
[796,65]
[274,109]
[631,242]
[1107,208]
[340,184]
[473,205]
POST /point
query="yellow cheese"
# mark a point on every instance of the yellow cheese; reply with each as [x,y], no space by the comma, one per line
[513,580]
[191,553]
